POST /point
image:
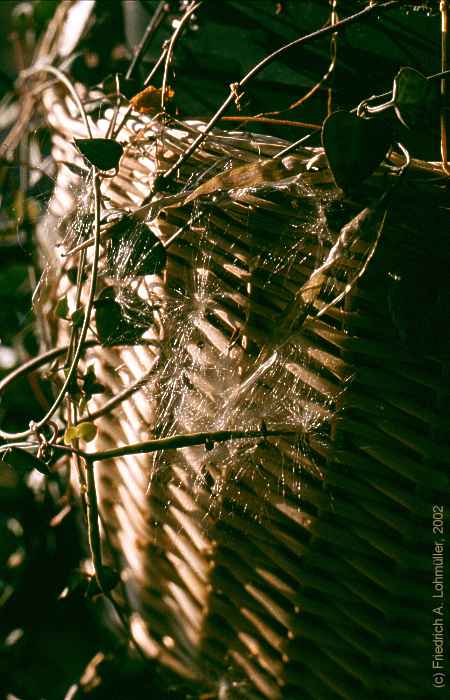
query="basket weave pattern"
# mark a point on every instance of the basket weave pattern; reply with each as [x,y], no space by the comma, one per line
[287,571]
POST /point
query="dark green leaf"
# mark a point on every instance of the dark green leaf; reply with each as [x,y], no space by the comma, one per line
[354,146]
[90,384]
[133,249]
[112,326]
[24,461]
[416,98]
[102,153]
[78,318]
[62,308]
[73,389]
[72,274]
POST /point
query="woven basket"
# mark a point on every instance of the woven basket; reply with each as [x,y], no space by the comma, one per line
[280,569]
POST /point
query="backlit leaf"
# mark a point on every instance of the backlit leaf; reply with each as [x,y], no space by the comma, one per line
[70,435]
[148,101]
[86,431]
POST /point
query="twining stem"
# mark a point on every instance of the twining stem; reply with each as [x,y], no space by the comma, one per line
[151,28]
[268,120]
[187,440]
[175,442]
[237,87]
[169,52]
[95,546]
[62,77]
[37,362]
[165,56]
[333,53]
[370,110]
[74,331]
[112,123]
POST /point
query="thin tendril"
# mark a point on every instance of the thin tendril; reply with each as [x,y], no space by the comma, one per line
[63,78]
[190,11]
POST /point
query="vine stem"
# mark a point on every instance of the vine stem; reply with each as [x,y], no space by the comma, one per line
[265,62]
[63,78]
[37,362]
[167,47]
[169,51]
[268,120]
[175,442]
[443,86]
[129,109]
[95,546]
[152,26]
[293,146]
[187,440]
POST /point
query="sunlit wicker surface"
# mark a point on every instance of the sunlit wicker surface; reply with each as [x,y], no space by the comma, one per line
[276,570]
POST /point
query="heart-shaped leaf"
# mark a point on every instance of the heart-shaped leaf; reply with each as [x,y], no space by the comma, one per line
[24,461]
[62,308]
[102,153]
[112,326]
[416,98]
[77,318]
[354,146]
[133,249]
[90,384]
[85,431]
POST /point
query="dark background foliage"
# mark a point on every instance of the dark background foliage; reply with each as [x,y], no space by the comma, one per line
[44,642]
